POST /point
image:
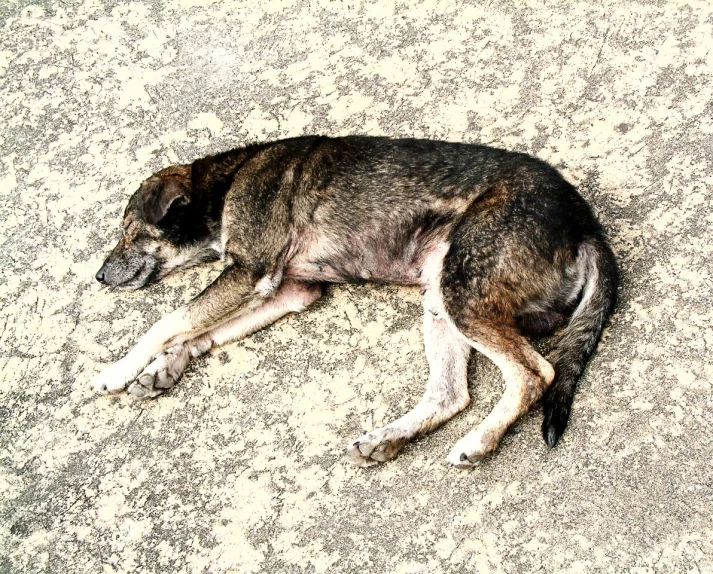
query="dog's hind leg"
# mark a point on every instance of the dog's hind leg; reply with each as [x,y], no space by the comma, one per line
[527,375]
[484,284]
[446,394]
[167,368]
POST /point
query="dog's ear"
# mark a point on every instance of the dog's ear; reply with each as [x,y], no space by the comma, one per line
[163,193]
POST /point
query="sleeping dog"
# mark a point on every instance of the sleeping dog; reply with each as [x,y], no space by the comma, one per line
[501,245]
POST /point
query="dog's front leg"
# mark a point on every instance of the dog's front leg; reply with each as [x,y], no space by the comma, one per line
[167,368]
[234,290]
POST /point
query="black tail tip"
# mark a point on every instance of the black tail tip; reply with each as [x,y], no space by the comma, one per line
[554,423]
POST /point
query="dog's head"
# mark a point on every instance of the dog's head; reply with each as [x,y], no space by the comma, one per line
[163,229]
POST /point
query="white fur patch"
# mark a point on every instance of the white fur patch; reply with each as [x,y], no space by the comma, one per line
[433,266]
[268,284]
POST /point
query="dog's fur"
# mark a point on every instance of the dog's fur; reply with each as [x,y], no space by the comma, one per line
[500,243]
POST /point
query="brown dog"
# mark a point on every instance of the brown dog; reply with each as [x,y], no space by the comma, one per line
[500,243]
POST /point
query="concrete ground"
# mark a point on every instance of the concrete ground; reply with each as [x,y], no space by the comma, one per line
[240,468]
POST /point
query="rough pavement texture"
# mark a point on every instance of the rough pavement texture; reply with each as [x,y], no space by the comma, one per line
[240,468]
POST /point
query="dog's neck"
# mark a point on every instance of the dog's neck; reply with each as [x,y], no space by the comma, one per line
[212,177]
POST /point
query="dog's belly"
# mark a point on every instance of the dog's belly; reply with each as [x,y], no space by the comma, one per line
[344,272]
[367,259]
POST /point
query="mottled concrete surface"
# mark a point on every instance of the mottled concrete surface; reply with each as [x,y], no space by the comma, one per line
[240,468]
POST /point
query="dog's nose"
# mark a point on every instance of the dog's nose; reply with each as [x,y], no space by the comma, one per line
[100,275]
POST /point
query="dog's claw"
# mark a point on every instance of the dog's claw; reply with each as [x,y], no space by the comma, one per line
[466,462]
[470,450]
[463,461]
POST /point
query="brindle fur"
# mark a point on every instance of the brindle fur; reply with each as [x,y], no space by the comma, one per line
[500,243]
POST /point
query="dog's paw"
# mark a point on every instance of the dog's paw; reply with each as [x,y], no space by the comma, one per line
[144,388]
[116,377]
[163,373]
[472,448]
[377,446]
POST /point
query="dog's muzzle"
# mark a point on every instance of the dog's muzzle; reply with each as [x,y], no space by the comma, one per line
[131,273]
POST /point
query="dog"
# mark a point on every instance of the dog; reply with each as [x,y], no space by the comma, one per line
[502,246]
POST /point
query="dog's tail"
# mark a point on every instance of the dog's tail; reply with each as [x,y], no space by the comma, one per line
[576,342]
